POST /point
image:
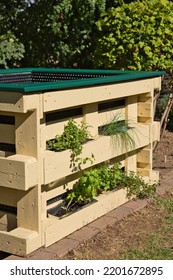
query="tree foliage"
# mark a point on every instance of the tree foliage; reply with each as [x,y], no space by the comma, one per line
[58,33]
[134,36]
[11,49]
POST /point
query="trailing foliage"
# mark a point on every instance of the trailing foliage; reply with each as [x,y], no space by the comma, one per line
[136,186]
[106,178]
[137,36]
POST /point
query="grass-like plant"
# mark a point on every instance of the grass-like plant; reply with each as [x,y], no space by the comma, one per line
[120,131]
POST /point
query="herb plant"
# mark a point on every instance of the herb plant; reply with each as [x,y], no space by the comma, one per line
[106,178]
[120,131]
[93,182]
[136,186]
[73,138]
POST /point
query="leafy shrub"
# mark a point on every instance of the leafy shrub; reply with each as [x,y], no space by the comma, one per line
[137,36]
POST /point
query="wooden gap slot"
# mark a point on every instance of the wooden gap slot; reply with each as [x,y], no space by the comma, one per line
[63,114]
[105,106]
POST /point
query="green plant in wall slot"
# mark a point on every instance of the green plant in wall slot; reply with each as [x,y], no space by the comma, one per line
[102,178]
[110,176]
[73,138]
[93,182]
[136,186]
[85,189]
[120,131]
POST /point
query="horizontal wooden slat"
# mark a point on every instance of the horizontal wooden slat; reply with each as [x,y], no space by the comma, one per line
[144,172]
[56,229]
[19,241]
[18,172]
[58,164]
[76,97]
[11,102]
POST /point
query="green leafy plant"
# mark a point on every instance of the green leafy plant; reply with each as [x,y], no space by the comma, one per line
[93,182]
[58,33]
[86,188]
[73,138]
[11,50]
[136,36]
[120,131]
[110,176]
[106,178]
[136,186]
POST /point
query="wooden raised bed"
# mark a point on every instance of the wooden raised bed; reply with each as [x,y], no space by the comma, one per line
[35,104]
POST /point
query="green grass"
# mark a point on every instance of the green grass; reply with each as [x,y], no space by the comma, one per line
[154,248]
[157,245]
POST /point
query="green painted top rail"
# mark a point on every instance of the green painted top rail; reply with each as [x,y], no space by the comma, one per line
[28,80]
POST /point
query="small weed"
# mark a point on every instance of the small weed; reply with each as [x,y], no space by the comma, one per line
[169,219]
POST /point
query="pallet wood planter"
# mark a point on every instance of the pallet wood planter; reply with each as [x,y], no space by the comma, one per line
[35,104]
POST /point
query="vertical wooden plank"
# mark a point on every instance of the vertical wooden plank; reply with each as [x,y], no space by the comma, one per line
[26,134]
[131,116]
[90,112]
[28,210]
[131,108]
[27,131]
